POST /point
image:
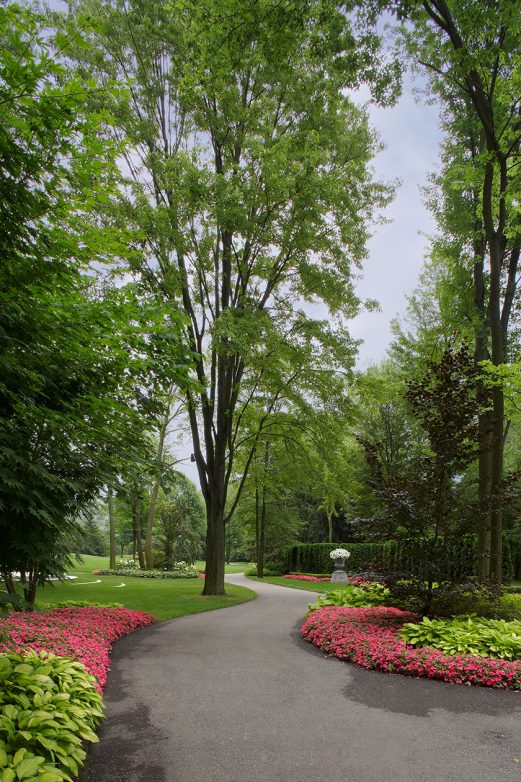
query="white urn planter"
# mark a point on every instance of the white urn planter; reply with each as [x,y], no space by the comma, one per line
[339,556]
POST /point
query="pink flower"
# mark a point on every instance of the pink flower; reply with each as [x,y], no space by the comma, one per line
[84,634]
[369,637]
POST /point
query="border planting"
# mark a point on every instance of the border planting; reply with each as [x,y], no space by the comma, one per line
[369,638]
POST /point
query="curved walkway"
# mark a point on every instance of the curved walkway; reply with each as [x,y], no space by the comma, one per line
[235,694]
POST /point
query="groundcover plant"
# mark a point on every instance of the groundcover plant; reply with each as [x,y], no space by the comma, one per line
[370,637]
[82,634]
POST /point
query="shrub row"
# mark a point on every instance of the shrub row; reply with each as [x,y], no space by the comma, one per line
[392,556]
[134,573]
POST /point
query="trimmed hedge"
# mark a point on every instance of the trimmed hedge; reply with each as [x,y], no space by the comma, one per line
[392,556]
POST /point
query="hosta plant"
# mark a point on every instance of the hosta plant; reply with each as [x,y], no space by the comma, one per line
[49,705]
[467,635]
[351,595]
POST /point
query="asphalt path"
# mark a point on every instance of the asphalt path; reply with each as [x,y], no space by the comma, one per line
[236,694]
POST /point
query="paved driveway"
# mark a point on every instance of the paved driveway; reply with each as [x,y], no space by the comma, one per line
[235,694]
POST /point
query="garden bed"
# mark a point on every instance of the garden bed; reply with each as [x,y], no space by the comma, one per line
[369,637]
[82,634]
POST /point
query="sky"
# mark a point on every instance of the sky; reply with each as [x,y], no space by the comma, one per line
[411,135]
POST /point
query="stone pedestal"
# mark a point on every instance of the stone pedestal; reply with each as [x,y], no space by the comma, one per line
[339,575]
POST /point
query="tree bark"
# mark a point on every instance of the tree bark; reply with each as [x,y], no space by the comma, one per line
[112,529]
[215,550]
[329,514]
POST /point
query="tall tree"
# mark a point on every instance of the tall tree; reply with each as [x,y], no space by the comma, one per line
[472,52]
[249,181]
[76,375]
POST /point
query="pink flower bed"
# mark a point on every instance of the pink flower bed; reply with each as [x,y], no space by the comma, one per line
[355,580]
[368,637]
[84,634]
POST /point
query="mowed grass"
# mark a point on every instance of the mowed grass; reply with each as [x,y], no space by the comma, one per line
[309,586]
[164,597]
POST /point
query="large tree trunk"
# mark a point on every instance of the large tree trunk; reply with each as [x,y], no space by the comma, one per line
[149,555]
[215,550]
[112,529]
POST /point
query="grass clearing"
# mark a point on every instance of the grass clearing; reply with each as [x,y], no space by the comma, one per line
[309,586]
[165,598]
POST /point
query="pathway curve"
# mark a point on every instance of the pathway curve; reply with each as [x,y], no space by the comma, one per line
[236,694]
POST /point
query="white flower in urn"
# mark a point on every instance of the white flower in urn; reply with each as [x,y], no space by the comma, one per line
[340,553]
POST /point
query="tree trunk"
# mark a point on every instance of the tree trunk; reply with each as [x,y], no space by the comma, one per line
[112,529]
[214,578]
[136,513]
[149,555]
[329,514]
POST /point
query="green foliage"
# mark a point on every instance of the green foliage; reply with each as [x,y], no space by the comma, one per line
[48,706]
[350,595]
[262,198]
[81,362]
[467,635]
[180,523]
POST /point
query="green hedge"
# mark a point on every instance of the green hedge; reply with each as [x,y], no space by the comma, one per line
[391,555]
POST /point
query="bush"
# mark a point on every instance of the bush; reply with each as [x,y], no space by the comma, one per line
[467,635]
[350,595]
[447,599]
[150,573]
[48,705]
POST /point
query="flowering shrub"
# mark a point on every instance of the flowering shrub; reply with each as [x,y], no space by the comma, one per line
[83,634]
[369,637]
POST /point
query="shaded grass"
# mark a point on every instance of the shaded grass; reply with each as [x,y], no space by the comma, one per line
[91,563]
[309,586]
[165,598]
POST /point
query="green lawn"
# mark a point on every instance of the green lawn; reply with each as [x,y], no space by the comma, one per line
[102,563]
[310,586]
[165,598]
